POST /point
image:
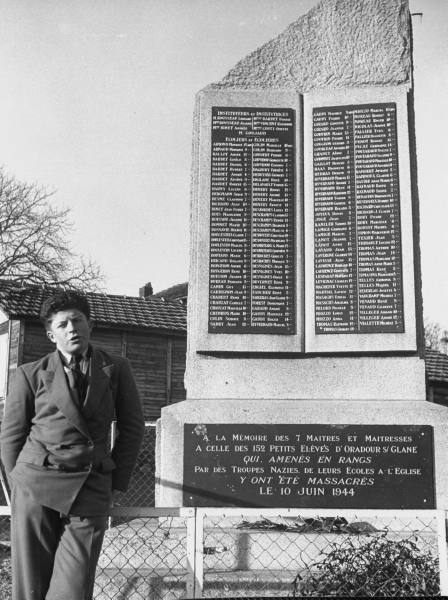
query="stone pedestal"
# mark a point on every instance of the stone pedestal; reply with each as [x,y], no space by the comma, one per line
[304,412]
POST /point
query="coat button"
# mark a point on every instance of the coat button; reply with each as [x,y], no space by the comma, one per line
[90,444]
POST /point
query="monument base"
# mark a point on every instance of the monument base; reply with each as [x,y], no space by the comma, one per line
[316,378]
[346,454]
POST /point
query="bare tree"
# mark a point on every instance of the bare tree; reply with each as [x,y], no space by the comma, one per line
[34,246]
[435,337]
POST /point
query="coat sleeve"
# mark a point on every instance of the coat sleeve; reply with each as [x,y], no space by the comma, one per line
[16,424]
[130,428]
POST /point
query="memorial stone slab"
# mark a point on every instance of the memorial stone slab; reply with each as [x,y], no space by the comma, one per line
[247,225]
[359,222]
[314,465]
[304,309]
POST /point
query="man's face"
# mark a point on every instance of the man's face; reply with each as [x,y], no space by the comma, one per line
[70,331]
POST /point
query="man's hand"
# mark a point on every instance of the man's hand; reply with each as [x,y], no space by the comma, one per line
[116,496]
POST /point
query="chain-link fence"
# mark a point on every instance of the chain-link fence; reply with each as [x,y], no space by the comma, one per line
[5,546]
[306,553]
[169,554]
[141,490]
[5,552]
[149,556]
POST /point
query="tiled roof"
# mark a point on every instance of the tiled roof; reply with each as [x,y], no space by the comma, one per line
[436,365]
[145,313]
[106,309]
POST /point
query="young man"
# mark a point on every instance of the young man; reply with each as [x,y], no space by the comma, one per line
[56,451]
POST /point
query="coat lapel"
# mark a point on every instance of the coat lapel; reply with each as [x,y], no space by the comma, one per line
[56,385]
[100,374]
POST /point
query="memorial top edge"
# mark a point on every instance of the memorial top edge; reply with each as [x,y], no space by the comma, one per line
[336,43]
[357,95]
[327,91]
[229,95]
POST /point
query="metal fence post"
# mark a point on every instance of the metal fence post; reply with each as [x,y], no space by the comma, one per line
[443,564]
[199,553]
[4,486]
[191,554]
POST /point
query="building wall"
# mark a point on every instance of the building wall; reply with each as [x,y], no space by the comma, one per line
[15,345]
[4,358]
[159,365]
[179,351]
[158,361]
[438,392]
[35,342]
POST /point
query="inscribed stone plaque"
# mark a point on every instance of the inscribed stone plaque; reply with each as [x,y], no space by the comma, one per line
[316,466]
[357,231]
[252,220]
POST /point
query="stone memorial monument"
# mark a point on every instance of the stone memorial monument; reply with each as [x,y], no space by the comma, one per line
[305,372]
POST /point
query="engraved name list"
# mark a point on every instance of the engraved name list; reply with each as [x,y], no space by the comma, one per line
[357,237]
[252,220]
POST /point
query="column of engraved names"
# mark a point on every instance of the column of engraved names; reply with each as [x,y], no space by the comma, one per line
[272,268]
[358,272]
[252,221]
[378,219]
[230,220]
[336,308]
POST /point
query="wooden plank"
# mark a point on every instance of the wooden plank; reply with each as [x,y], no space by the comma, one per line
[169,368]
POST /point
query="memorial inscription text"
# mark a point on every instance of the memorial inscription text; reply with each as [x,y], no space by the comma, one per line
[319,466]
[357,231]
[252,220]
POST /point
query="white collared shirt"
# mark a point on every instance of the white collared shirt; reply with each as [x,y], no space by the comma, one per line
[84,364]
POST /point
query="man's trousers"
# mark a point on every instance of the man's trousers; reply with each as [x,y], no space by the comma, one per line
[54,556]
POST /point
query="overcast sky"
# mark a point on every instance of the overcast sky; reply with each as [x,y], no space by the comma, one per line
[97,101]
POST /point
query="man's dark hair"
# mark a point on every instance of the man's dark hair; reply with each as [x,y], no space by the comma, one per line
[63,300]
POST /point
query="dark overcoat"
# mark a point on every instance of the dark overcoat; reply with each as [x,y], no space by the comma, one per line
[60,452]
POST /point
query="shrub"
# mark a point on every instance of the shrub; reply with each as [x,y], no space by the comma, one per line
[378,568]
[5,578]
